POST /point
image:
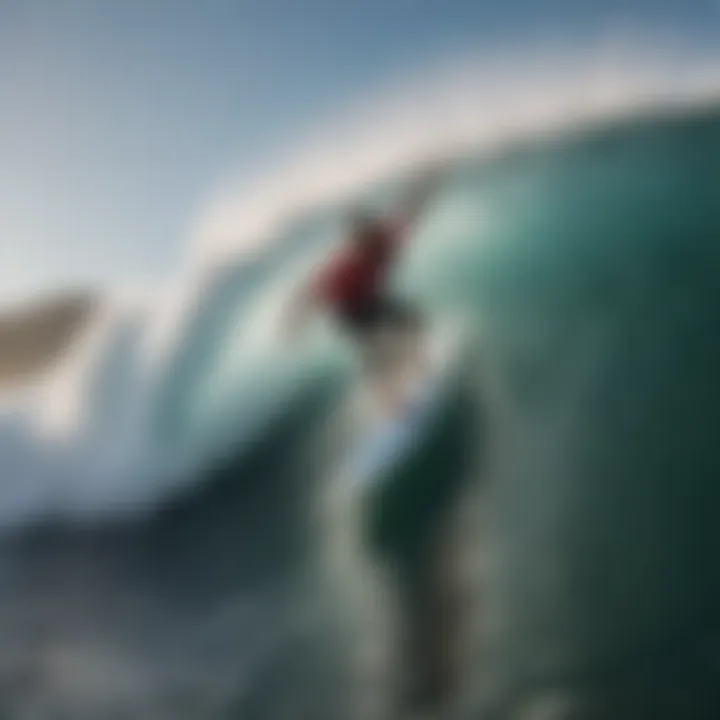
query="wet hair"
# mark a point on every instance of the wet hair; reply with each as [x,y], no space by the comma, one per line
[362,220]
[363,226]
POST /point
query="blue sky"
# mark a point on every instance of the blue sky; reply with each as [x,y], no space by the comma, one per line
[118,117]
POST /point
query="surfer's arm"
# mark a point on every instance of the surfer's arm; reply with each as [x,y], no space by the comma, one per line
[416,200]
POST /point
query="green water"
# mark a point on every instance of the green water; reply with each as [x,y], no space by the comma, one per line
[591,266]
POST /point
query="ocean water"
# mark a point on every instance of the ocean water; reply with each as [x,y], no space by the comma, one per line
[167,499]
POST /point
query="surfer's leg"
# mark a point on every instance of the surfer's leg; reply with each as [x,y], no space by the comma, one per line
[410,363]
[388,334]
[381,362]
[388,330]
[377,371]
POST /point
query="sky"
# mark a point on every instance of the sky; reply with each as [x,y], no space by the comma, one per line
[118,118]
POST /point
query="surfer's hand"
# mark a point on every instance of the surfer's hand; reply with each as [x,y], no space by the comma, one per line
[426,181]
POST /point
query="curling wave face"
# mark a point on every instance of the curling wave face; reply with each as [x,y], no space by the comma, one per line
[590,265]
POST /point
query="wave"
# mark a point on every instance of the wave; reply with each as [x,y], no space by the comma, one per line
[163,387]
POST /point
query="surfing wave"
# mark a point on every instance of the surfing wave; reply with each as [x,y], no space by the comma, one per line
[590,261]
[160,389]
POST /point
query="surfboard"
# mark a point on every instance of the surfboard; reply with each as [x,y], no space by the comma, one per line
[387,441]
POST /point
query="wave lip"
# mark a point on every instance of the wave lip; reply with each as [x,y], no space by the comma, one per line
[474,102]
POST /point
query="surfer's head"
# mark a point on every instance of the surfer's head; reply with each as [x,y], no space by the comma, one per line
[366,231]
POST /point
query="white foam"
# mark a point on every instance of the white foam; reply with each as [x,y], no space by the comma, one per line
[469,102]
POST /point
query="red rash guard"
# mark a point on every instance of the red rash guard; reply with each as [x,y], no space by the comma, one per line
[350,278]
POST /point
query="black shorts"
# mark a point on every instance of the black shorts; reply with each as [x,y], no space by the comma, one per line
[378,313]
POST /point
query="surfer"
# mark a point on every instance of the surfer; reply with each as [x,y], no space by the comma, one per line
[388,331]
[351,286]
